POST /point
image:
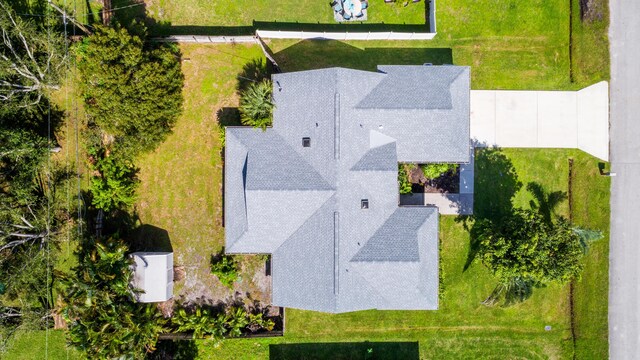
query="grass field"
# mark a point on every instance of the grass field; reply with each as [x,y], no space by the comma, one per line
[245,12]
[31,345]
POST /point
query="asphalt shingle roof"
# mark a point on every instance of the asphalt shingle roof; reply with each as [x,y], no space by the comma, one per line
[303,204]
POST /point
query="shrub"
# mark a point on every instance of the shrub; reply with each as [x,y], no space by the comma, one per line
[205,323]
[256,105]
[114,185]
[433,171]
[403,178]
[225,268]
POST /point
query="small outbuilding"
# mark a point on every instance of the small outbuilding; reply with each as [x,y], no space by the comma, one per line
[153,274]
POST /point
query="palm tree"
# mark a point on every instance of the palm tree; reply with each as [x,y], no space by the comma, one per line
[256,105]
[99,306]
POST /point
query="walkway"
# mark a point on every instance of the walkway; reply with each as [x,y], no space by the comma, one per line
[543,119]
[624,272]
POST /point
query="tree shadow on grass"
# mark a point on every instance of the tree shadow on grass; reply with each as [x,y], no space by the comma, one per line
[495,184]
[545,202]
[345,350]
[174,350]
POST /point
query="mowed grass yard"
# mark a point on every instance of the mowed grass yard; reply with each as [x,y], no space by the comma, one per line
[191,13]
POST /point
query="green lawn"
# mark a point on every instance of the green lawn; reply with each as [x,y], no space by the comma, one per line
[181,181]
[31,345]
[590,57]
[203,13]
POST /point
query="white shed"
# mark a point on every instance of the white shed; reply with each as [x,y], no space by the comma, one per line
[153,273]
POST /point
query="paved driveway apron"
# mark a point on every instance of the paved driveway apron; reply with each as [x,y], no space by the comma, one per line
[543,119]
[624,261]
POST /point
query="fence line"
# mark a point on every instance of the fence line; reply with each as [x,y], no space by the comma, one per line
[206,39]
[387,35]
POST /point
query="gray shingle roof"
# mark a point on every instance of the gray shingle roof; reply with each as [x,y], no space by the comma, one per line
[303,204]
[412,88]
[396,239]
[381,158]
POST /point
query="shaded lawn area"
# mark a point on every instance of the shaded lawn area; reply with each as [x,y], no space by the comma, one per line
[181,181]
[463,328]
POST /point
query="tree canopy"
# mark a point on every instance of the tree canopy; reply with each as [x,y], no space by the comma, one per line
[525,246]
[132,90]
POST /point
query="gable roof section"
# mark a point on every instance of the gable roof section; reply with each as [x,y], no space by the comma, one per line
[274,165]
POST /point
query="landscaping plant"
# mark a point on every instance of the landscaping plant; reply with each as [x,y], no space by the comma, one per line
[256,104]
[114,182]
[403,178]
[104,320]
[205,323]
[225,268]
[435,170]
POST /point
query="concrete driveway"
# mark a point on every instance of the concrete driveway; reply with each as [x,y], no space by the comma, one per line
[543,119]
[624,256]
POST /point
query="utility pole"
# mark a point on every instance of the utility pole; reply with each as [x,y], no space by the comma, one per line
[74,21]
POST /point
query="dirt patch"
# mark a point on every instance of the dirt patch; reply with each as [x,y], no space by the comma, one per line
[592,10]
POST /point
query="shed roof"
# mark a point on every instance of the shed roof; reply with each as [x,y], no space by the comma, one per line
[153,274]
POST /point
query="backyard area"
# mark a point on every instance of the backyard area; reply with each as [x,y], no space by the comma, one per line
[508,45]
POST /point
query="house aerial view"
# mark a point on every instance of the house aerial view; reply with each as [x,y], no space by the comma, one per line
[319,189]
[319,180]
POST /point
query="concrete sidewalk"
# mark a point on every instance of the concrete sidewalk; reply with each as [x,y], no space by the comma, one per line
[543,119]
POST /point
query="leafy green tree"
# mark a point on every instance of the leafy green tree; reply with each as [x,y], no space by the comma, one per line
[524,250]
[31,61]
[22,156]
[116,183]
[132,91]
[435,170]
[256,104]
[103,317]
[403,178]
[225,267]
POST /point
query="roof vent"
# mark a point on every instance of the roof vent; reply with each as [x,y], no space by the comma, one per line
[306,142]
[364,204]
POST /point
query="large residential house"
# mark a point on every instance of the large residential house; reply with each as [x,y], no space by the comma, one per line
[319,189]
